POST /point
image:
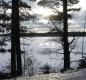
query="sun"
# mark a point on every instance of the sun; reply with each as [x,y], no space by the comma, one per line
[44,11]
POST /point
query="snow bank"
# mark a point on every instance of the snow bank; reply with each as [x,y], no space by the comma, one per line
[76,75]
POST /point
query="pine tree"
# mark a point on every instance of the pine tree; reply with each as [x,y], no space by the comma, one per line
[16,66]
[15,39]
[4,19]
[61,18]
[65,37]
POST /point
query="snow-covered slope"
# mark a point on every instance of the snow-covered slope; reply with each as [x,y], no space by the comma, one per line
[69,75]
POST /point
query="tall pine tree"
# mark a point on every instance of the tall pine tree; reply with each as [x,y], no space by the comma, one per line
[16,66]
[65,37]
[15,40]
[61,17]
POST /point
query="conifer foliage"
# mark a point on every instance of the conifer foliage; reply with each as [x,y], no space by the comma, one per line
[11,22]
[60,17]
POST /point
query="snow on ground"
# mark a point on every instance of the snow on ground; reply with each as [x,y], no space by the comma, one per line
[69,75]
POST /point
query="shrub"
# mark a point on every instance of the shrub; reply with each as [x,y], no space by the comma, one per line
[82,64]
[4,75]
[46,69]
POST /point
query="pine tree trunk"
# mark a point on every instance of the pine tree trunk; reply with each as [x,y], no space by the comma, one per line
[65,37]
[15,41]
[13,57]
[13,50]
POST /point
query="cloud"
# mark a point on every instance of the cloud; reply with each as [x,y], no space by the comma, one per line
[78,21]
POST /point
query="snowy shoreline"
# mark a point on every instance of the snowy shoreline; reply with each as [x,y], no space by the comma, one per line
[69,75]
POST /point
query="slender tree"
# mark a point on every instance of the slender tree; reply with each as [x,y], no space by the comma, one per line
[15,30]
[65,37]
[61,17]
[15,40]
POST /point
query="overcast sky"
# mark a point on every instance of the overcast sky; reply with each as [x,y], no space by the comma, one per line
[35,7]
[79,17]
[77,21]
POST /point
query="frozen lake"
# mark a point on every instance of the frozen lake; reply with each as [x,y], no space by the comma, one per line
[38,46]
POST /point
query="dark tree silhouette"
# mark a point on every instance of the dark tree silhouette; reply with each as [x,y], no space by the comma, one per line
[15,36]
[3,22]
[61,18]
[65,37]
[15,30]
[15,41]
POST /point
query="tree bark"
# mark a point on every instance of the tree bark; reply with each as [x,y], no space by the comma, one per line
[65,37]
[16,66]
[13,51]
[17,40]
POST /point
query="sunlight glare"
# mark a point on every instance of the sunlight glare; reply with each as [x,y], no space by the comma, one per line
[44,21]
[44,11]
[82,4]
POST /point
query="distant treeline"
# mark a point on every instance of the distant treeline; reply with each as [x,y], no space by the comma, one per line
[48,34]
[54,34]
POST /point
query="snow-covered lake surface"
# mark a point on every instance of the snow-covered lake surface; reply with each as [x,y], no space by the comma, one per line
[69,75]
[45,45]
